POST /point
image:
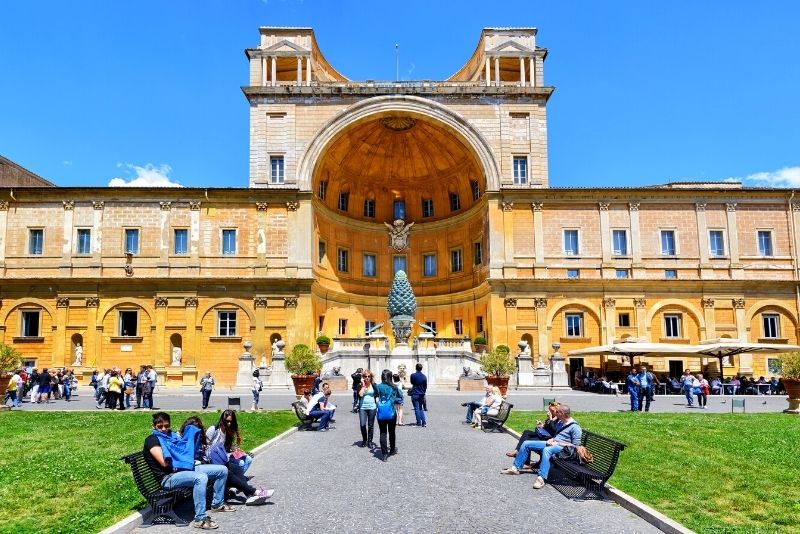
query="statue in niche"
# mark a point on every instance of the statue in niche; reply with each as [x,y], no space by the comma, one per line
[176,356]
[78,355]
[277,347]
[398,234]
[263,363]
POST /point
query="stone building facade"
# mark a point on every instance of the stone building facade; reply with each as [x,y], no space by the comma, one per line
[181,277]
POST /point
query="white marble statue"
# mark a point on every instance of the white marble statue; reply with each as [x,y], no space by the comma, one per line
[176,356]
[78,355]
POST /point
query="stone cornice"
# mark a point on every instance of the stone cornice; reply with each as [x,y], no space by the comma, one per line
[396,88]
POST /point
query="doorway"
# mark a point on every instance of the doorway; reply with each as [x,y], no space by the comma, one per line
[575,367]
[675,368]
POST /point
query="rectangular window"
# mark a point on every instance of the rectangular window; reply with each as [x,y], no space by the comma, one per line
[571,242]
[132,240]
[399,264]
[229,241]
[368,265]
[226,320]
[520,170]
[30,323]
[479,324]
[342,260]
[344,200]
[771,325]
[342,327]
[128,323]
[431,325]
[667,242]
[672,326]
[320,321]
[573,274]
[399,210]
[574,324]
[84,244]
[619,242]
[429,264]
[181,241]
[456,261]
[276,175]
[476,189]
[621,274]
[458,326]
[670,274]
[427,207]
[368,325]
[35,241]
[765,243]
[321,251]
[369,208]
[716,243]
[624,319]
[455,202]
[323,189]
[477,250]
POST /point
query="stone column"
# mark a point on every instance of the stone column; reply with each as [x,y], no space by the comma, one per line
[308,71]
[531,69]
[737,269]
[488,73]
[299,71]
[636,241]
[539,267]
[605,242]
[274,70]
[263,71]
[497,71]
[702,239]
[522,81]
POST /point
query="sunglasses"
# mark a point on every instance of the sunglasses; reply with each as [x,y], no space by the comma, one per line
[229,421]
[162,426]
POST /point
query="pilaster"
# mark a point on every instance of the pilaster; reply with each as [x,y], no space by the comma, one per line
[3,229]
[737,269]
[261,239]
[161,359]
[301,224]
[260,304]
[509,265]
[605,241]
[702,240]
[164,245]
[92,339]
[60,332]
[642,328]
[638,270]
[541,321]
[497,238]
[193,332]
[97,230]
[539,267]
[66,249]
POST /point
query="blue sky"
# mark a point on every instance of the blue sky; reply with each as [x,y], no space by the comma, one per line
[646,92]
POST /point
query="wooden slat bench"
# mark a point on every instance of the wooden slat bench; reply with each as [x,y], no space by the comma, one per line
[495,422]
[162,501]
[592,476]
[306,422]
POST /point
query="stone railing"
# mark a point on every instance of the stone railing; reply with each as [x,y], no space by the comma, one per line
[356,344]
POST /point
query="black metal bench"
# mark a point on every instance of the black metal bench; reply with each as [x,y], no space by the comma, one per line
[592,476]
[161,500]
[306,421]
[495,422]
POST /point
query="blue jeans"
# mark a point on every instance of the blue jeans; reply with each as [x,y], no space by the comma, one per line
[206,396]
[324,417]
[471,407]
[256,396]
[687,390]
[417,401]
[546,452]
[634,394]
[198,480]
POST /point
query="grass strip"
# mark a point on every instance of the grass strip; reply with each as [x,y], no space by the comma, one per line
[728,473]
[61,471]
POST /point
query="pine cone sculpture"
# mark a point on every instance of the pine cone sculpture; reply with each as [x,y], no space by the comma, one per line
[401,297]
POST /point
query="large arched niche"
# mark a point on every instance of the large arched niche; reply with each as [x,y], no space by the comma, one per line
[438,117]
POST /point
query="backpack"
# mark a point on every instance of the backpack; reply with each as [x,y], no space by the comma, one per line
[386,405]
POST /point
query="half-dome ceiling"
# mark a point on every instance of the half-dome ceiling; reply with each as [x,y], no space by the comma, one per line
[399,157]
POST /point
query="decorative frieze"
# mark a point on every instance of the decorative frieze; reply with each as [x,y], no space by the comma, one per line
[506,206]
[194,205]
[540,302]
[640,303]
[292,205]
[92,302]
[608,302]
[738,303]
[289,302]
[510,303]
[98,204]
[165,206]
[190,302]
[62,302]
[707,303]
[161,302]
[69,205]
[261,206]
[730,206]
[260,302]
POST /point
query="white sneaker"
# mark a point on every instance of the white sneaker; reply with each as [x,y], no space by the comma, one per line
[539,483]
[510,471]
[255,500]
[266,493]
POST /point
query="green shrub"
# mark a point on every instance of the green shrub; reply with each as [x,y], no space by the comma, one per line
[480,340]
[323,340]
[10,358]
[503,348]
[302,360]
[790,365]
[497,363]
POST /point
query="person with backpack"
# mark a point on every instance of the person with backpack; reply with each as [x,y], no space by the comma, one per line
[385,412]
[257,387]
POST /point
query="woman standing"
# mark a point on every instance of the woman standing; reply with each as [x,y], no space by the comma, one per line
[115,385]
[257,386]
[701,389]
[206,386]
[387,417]
[399,400]
[366,409]
[127,380]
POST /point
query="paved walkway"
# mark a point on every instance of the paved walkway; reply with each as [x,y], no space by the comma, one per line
[445,478]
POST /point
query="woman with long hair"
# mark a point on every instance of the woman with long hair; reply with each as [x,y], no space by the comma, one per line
[366,409]
[386,393]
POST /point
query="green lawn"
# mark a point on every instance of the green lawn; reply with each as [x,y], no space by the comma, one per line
[726,473]
[61,471]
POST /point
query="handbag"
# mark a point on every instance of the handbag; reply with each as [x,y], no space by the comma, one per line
[542,434]
[696,390]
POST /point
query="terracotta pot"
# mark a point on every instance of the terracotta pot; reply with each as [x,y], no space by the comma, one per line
[499,381]
[480,349]
[792,386]
[4,380]
[323,347]
[302,383]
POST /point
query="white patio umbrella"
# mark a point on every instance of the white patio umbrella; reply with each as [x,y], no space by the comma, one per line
[637,348]
[724,347]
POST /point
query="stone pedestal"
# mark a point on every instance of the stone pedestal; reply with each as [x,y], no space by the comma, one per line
[190,378]
[173,377]
[524,371]
[244,376]
[337,383]
[541,378]
[471,384]
[276,376]
[558,368]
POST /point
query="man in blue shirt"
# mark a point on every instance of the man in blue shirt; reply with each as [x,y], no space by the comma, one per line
[646,385]
[419,385]
[632,383]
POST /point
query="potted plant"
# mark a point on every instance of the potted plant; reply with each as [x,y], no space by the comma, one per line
[10,360]
[498,366]
[790,376]
[480,344]
[302,362]
[324,343]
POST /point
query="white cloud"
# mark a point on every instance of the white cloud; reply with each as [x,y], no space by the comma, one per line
[785,177]
[148,176]
[66,162]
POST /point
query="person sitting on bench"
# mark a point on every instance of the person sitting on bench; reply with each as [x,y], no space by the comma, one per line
[477,404]
[491,406]
[316,409]
[171,459]
[544,430]
[569,433]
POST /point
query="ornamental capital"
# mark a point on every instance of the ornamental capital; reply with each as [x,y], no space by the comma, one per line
[640,303]
[69,205]
[165,206]
[707,303]
[537,206]
[98,204]
[730,206]
[633,206]
[795,206]
[92,302]
[194,205]
[161,302]
[540,302]
[289,302]
[506,205]
[62,302]
[260,302]
[261,206]
[510,303]
[608,302]
[604,206]
[190,302]
[700,206]
[738,303]
[292,205]
[3,205]
[128,270]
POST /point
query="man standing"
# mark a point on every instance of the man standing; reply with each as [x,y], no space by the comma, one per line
[686,384]
[419,385]
[568,434]
[356,387]
[206,386]
[171,458]
[632,383]
[141,378]
[646,386]
[474,405]
[151,381]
